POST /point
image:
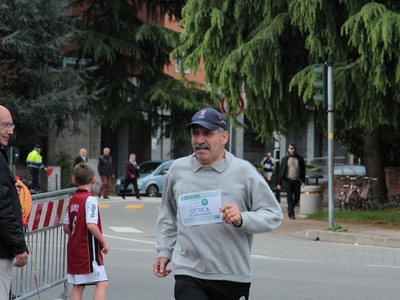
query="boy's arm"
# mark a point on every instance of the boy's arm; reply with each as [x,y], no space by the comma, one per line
[97,234]
[67,230]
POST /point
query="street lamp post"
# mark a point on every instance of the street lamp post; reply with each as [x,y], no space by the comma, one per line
[277,158]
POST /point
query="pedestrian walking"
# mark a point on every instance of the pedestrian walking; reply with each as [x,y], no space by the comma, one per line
[292,173]
[105,169]
[131,176]
[268,164]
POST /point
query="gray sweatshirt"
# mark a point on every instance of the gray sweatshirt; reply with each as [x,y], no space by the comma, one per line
[215,251]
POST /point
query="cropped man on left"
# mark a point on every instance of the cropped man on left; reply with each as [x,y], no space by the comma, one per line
[13,250]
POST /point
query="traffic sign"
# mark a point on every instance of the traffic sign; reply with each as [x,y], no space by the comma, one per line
[225,109]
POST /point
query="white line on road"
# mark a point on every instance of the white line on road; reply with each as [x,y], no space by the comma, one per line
[131,240]
[125,229]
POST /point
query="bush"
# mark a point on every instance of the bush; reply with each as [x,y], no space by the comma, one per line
[63,160]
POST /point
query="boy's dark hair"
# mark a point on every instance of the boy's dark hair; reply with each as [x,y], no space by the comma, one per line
[83,173]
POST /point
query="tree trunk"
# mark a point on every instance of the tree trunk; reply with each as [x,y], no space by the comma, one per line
[374,160]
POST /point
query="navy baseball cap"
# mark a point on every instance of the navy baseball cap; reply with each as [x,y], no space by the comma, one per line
[210,119]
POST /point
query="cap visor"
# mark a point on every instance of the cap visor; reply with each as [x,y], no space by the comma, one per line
[204,124]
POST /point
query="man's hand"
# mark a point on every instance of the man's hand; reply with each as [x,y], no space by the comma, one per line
[19,186]
[160,267]
[231,214]
[21,260]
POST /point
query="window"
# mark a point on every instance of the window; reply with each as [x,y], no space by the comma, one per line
[71,62]
[177,63]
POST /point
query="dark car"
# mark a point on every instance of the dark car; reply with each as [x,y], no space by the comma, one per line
[321,172]
[146,168]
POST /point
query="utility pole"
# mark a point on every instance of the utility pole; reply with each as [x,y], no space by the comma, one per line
[326,97]
[331,140]
[277,159]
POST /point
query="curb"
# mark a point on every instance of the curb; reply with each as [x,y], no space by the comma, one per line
[351,238]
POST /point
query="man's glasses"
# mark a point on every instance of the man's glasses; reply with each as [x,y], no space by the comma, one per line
[7,126]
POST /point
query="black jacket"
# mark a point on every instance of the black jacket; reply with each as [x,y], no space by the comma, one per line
[283,166]
[12,240]
[130,170]
[78,160]
[104,166]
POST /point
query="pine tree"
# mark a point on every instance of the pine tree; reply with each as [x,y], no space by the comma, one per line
[367,75]
[131,47]
[32,35]
[6,76]
[273,46]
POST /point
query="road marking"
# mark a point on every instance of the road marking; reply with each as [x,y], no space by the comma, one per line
[132,240]
[133,206]
[125,229]
[102,205]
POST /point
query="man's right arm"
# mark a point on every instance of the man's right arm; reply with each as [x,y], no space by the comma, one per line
[166,225]
[99,166]
[10,233]
[281,171]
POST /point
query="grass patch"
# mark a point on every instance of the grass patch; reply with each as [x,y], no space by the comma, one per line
[337,228]
[361,217]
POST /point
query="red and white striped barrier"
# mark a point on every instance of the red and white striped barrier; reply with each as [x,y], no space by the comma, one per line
[47,212]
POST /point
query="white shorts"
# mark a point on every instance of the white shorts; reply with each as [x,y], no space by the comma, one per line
[99,274]
[268,175]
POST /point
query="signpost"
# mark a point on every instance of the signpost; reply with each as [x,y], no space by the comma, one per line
[225,110]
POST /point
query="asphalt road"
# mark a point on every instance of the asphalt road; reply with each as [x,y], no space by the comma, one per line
[129,228]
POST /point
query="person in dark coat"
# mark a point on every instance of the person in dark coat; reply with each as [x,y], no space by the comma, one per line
[131,175]
[13,249]
[292,173]
[105,169]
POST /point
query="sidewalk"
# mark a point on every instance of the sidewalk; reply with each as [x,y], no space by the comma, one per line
[361,234]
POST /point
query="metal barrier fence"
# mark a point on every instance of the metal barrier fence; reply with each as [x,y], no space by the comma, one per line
[47,244]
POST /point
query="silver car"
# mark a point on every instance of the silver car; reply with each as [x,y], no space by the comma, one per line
[320,173]
[153,184]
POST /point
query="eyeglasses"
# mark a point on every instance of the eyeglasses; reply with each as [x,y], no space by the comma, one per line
[6,125]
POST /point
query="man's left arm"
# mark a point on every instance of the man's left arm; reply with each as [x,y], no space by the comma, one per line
[265,213]
[302,171]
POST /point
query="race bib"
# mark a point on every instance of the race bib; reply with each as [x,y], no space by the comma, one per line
[200,208]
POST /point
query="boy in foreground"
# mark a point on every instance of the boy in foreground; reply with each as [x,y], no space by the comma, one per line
[85,265]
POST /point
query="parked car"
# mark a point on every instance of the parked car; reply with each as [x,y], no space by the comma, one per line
[321,172]
[146,168]
[153,184]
